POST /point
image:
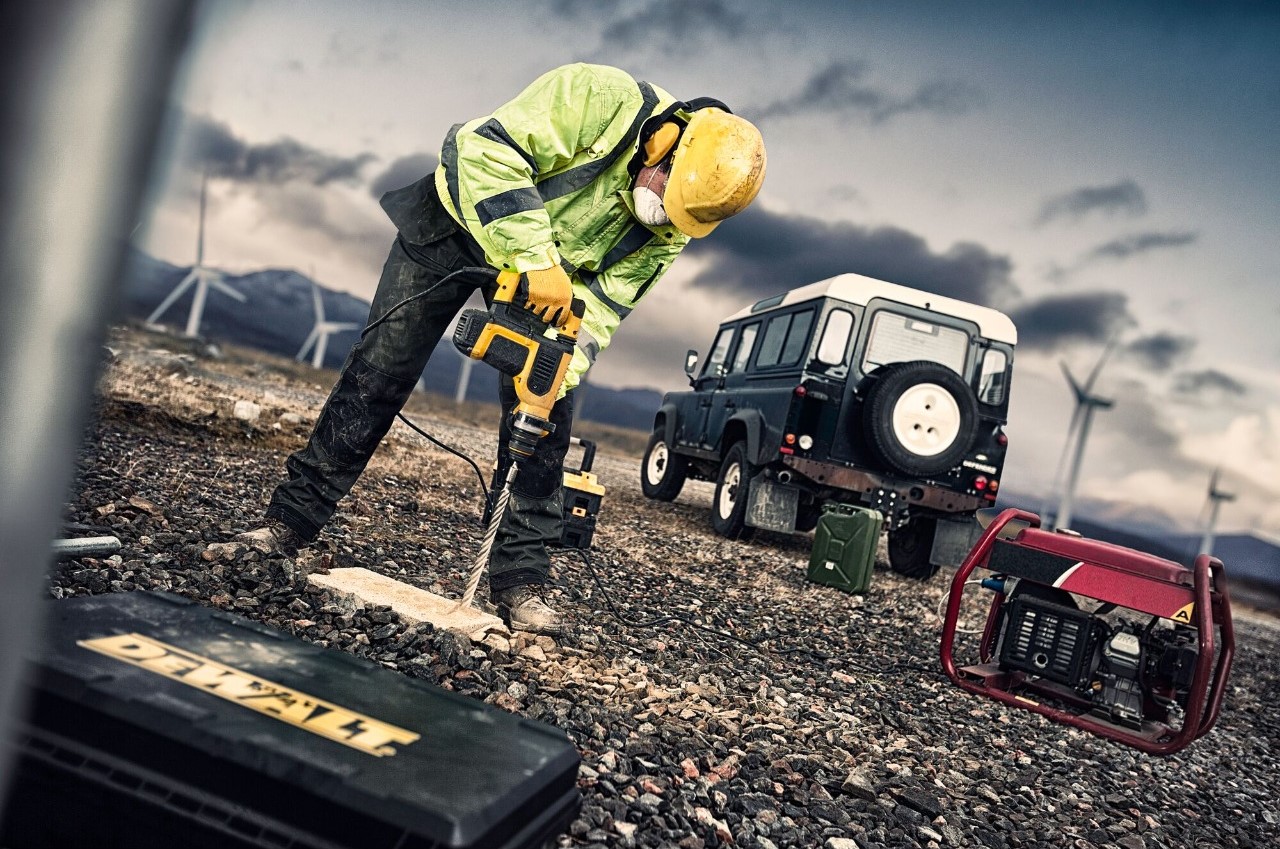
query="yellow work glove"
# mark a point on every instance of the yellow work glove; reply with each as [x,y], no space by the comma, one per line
[550,294]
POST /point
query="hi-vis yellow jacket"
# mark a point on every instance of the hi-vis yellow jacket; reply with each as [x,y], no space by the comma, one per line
[545,180]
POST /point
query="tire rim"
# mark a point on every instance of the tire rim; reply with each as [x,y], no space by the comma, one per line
[656,467]
[926,419]
[729,491]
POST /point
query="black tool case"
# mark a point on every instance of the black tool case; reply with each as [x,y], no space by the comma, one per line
[155,721]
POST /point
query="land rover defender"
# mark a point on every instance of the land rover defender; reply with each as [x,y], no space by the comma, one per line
[850,390]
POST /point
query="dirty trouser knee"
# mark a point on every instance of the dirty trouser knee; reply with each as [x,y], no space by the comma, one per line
[535,513]
[376,380]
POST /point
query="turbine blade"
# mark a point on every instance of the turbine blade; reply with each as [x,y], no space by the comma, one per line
[318,302]
[1075,387]
[1106,352]
[173,296]
[302,352]
[215,280]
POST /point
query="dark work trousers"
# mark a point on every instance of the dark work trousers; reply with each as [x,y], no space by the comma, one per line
[377,378]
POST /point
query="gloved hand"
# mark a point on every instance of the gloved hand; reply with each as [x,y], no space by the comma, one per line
[550,294]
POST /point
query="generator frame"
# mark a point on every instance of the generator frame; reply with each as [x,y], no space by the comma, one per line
[1014,545]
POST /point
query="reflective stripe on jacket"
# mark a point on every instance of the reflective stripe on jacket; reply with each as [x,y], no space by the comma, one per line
[545,180]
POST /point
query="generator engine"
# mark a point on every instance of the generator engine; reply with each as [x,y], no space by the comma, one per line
[1118,668]
[1120,643]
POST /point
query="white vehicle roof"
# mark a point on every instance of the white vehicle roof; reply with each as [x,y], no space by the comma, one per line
[857,289]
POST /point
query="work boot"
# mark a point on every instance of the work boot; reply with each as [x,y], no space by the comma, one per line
[274,537]
[523,609]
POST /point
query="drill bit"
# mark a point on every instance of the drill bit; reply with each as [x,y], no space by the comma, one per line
[482,556]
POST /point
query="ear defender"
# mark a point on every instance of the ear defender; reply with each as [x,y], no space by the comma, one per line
[660,143]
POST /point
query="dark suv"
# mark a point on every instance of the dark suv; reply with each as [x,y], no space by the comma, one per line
[851,390]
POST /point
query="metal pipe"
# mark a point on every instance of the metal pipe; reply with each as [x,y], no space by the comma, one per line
[85,547]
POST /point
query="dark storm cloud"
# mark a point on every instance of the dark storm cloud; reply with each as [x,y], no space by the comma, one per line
[1087,316]
[313,210]
[402,172]
[1160,351]
[1207,380]
[667,24]
[1123,198]
[212,146]
[761,253]
[1139,243]
[842,88]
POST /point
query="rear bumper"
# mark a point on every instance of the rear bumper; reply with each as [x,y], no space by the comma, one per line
[873,487]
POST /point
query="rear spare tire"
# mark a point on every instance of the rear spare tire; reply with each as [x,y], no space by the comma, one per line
[662,472]
[920,417]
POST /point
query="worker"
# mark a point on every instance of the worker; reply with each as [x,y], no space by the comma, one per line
[589,184]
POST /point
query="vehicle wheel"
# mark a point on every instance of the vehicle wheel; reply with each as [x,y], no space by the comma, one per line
[920,417]
[662,472]
[733,490]
[807,517]
[910,547]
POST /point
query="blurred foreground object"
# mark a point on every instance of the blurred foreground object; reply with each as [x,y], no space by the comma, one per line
[83,91]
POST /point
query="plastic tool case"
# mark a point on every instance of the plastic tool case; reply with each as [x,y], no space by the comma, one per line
[844,547]
[158,722]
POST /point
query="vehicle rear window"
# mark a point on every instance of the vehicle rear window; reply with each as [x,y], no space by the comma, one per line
[784,338]
[899,338]
[992,383]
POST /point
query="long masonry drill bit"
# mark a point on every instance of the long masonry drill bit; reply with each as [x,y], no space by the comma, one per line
[486,547]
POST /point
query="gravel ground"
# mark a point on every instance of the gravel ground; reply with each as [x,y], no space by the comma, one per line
[826,723]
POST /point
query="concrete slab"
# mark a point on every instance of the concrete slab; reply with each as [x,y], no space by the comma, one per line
[413,605]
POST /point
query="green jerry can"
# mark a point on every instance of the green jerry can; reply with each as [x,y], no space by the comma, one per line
[844,547]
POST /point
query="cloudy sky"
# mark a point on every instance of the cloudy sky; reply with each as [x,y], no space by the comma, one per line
[1092,170]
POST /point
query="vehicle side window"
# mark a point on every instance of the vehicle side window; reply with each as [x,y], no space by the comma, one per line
[775,333]
[898,338]
[993,380]
[745,344]
[796,338]
[835,337]
[719,352]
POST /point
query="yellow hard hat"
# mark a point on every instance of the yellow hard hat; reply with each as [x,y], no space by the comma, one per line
[717,170]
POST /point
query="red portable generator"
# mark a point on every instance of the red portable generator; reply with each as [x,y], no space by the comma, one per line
[1113,641]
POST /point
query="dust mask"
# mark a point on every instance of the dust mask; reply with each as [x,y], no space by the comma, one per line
[649,208]
[651,183]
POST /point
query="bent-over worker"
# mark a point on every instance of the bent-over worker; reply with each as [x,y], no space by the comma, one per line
[589,184]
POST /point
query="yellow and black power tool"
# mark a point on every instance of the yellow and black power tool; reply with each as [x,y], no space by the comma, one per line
[501,337]
[505,337]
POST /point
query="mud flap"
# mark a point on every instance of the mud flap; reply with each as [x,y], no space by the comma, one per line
[953,540]
[773,506]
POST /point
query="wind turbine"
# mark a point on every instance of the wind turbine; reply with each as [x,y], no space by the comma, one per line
[321,331]
[1081,419]
[202,277]
[1214,502]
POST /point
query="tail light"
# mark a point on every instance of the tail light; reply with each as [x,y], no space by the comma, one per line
[980,482]
[1001,439]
